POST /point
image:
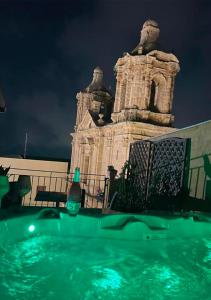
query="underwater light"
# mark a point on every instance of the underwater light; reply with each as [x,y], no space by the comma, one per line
[31,228]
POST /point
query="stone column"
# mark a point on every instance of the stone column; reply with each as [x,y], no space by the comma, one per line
[147,88]
[108,150]
[128,91]
[117,103]
[172,93]
[134,94]
[122,94]
[167,101]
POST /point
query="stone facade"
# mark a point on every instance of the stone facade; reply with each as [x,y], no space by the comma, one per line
[141,108]
[144,90]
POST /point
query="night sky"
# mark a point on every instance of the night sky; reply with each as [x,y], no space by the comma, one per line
[48,50]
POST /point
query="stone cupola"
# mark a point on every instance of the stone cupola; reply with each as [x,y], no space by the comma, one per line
[145,81]
[97,81]
[96,99]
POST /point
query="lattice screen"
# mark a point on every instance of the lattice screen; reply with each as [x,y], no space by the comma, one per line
[156,169]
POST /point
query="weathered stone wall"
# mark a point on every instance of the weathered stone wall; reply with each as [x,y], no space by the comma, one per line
[83,104]
[135,76]
[109,145]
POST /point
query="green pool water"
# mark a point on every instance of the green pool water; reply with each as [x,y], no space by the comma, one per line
[105,257]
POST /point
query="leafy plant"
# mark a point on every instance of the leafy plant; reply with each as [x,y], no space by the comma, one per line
[4,171]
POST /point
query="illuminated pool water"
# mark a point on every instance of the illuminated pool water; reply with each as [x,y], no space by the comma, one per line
[105,257]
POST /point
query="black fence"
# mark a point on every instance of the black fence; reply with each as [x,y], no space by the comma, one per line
[95,186]
[157,171]
[155,175]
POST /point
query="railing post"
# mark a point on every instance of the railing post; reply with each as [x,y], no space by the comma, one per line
[83,198]
[111,183]
[105,192]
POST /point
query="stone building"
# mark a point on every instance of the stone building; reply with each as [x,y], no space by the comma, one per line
[141,108]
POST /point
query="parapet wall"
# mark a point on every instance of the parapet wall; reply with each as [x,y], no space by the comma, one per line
[199,177]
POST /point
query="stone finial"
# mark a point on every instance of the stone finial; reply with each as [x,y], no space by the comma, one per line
[98,75]
[98,70]
[150,32]
[97,81]
[150,22]
[148,38]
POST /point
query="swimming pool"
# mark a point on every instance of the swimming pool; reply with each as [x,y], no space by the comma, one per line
[55,256]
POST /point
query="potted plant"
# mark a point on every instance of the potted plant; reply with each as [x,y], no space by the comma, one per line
[4,182]
[24,185]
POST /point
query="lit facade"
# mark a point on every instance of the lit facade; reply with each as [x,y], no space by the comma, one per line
[142,106]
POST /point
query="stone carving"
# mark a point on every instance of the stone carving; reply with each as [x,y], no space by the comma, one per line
[97,81]
[148,38]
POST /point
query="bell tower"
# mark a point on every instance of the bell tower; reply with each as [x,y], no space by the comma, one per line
[142,108]
[145,81]
[96,99]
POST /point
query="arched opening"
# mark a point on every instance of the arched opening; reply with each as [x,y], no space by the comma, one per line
[153,95]
[159,100]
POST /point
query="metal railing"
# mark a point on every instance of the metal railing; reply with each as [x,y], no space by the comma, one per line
[51,181]
[97,186]
[198,184]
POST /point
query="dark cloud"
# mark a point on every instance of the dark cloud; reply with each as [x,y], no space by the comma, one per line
[49,50]
[45,120]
